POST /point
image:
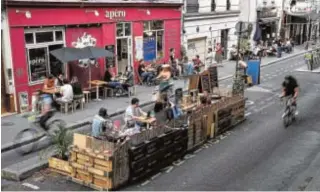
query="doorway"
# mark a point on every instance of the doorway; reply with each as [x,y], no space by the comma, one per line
[123,53]
[224,42]
[124,46]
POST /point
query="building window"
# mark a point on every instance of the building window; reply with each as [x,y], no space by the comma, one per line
[228,5]
[192,6]
[38,44]
[213,5]
[153,40]
[123,29]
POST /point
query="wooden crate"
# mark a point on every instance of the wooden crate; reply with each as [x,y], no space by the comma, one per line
[60,166]
[101,167]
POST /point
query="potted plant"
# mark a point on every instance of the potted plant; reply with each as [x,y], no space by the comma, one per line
[61,140]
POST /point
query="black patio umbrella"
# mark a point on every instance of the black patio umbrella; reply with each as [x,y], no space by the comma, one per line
[94,52]
[66,54]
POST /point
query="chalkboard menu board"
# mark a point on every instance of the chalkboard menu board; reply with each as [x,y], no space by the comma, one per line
[205,83]
[193,82]
[110,61]
[213,73]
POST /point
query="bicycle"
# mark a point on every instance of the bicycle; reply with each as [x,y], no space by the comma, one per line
[20,141]
[289,112]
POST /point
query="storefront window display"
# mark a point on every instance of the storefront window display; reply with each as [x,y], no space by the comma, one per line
[153,40]
[41,63]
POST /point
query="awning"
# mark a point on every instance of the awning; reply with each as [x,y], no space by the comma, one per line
[268,20]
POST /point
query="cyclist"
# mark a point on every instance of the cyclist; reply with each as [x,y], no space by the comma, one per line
[290,88]
[46,111]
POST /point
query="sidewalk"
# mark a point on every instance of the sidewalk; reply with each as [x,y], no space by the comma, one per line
[11,125]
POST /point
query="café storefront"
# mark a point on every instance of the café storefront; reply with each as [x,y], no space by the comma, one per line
[268,20]
[131,33]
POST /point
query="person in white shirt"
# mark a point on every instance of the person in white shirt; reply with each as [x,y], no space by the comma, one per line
[66,92]
[133,112]
[210,61]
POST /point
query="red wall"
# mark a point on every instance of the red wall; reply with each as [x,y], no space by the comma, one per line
[72,34]
[172,34]
[68,16]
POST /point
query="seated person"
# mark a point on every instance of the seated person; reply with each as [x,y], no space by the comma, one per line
[59,80]
[133,112]
[101,123]
[143,73]
[76,87]
[113,84]
[233,52]
[66,92]
[49,82]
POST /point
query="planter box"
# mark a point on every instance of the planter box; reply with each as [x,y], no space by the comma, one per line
[60,166]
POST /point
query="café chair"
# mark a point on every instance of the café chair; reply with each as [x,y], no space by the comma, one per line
[65,106]
[86,96]
[108,91]
[78,100]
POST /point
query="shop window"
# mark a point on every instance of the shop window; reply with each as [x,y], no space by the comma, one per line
[37,59]
[153,40]
[123,29]
[29,38]
[40,62]
[42,37]
[59,35]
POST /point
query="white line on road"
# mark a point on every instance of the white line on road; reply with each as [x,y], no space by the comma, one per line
[34,187]
[247,114]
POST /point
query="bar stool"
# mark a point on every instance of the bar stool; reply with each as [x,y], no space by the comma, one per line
[86,96]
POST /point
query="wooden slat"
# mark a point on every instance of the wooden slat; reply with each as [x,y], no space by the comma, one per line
[59,164]
[84,177]
[90,169]
[107,184]
[85,163]
[103,163]
[107,169]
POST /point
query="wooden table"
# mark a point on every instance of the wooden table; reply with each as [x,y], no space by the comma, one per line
[51,90]
[98,83]
[148,121]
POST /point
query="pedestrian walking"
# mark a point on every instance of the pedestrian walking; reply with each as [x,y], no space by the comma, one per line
[218,56]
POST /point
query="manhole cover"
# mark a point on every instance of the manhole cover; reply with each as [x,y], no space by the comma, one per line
[7,124]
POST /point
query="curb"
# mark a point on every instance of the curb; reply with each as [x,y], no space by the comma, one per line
[12,145]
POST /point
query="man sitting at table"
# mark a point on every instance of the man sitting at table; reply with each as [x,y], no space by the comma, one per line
[49,82]
[143,72]
[113,84]
[132,114]
[66,92]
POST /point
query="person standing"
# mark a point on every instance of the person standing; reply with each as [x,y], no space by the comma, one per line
[218,56]
[187,69]
[210,59]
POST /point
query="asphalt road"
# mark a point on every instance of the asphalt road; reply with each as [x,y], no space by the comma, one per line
[259,154]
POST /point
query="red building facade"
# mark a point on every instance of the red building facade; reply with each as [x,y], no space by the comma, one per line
[131,31]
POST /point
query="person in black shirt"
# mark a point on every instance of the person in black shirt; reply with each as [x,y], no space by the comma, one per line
[290,88]
[76,86]
[113,84]
[146,76]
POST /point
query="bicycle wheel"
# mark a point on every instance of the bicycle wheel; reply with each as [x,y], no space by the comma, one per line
[287,119]
[26,141]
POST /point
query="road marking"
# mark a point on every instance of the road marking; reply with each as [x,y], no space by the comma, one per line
[145,183]
[34,187]
[247,114]
[249,102]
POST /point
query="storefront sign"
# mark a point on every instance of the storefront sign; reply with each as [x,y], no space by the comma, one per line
[116,14]
[149,48]
[38,61]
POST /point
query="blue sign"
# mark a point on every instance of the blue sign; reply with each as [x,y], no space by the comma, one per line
[254,71]
[149,48]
